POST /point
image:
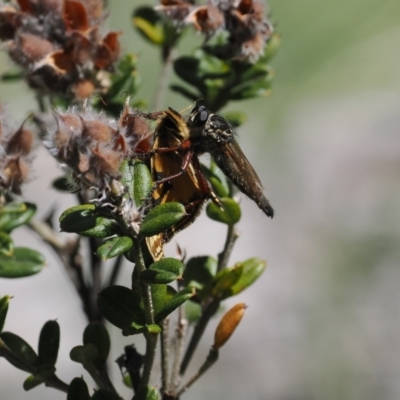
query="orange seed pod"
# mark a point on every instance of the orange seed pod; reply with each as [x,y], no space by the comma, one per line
[228,324]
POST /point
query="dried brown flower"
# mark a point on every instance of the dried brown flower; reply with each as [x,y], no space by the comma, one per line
[248,28]
[58,43]
[15,158]
[93,146]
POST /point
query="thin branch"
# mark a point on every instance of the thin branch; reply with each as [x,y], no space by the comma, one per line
[223,257]
[50,381]
[163,79]
[180,335]
[164,355]
[198,333]
[210,360]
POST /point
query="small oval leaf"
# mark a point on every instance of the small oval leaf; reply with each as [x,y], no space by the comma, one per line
[164,271]
[86,220]
[97,334]
[103,394]
[31,382]
[49,343]
[6,245]
[114,247]
[120,306]
[84,354]
[78,390]
[24,262]
[14,214]
[22,349]
[252,269]
[161,218]
[148,23]
[230,215]
[225,280]
[4,301]
[178,299]
[147,393]
[142,182]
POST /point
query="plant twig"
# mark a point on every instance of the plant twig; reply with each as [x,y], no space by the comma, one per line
[180,335]
[198,333]
[210,360]
[163,79]
[164,355]
[223,257]
[51,381]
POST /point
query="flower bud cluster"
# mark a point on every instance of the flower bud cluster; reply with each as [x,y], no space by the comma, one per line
[59,44]
[243,20]
[92,146]
[15,155]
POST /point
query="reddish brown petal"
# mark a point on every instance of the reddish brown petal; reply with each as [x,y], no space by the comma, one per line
[94,9]
[75,16]
[21,142]
[26,6]
[206,18]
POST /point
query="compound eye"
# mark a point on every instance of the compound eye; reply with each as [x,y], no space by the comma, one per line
[200,118]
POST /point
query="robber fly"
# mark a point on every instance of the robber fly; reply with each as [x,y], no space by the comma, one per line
[176,174]
[211,133]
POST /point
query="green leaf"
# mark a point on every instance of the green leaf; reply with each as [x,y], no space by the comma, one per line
[103,394]
[271,49]
[217,179]
[12,76]
[120,306]
[166,270]
[147,393]
[86,220]
[142,182]
[136,178]
[24,262]
[192,311]
[261,87]
[14,214]
[78,390]
[19,347]
[31,382]
[252,269]
[6,245]
[225,280]
[236,118]
[149,24]
[125,79]
[161,218]
[49,343]
[97,334]
[4,301]
[187,68]
[185,92]
[230,215]
[114,247]
[200,271]
[84,354]
[135,329]
[174,303]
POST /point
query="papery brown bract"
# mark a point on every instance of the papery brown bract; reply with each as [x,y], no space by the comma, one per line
[59,44]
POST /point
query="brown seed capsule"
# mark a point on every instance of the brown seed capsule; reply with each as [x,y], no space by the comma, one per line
[228,324]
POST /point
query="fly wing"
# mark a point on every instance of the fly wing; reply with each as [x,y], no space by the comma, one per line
[237,168]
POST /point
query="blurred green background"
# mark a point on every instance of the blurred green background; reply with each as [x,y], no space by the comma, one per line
[324,321]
